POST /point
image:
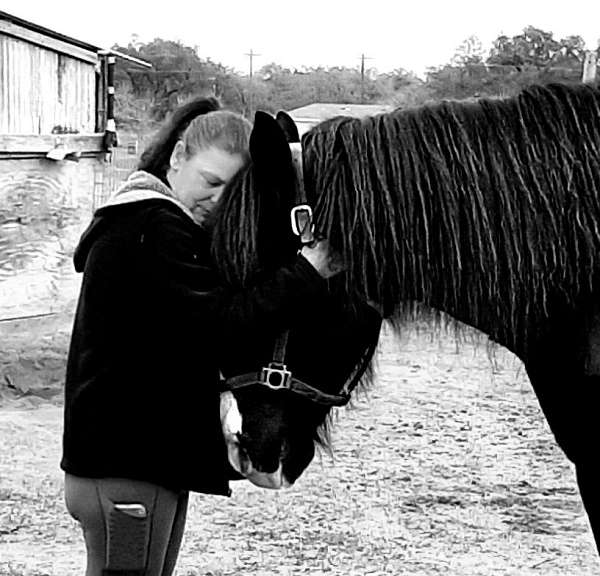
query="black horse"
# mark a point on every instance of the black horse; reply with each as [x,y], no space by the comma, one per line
[488,211]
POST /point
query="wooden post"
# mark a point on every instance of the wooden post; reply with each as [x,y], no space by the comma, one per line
[110,131]
[110,93]
[589,67]
[101,92]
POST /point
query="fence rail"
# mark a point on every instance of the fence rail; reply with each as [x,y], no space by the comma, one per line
[122,163]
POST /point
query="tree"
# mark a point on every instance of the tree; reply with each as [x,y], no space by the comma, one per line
[277,88]
[401,89]
[538,49]
[469,52]
[534,56]
[177,73]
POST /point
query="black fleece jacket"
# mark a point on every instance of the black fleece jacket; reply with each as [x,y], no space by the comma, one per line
[141,394]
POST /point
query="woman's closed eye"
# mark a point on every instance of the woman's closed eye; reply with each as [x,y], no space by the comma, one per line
[211,180]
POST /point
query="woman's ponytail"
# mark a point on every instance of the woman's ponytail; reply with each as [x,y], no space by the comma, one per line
[156,157]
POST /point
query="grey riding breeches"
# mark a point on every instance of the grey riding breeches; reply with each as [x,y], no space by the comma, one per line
[130,527]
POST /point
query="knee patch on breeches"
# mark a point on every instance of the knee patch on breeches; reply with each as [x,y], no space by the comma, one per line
[127,538]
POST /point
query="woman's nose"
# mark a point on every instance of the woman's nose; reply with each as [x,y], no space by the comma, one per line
[216,195]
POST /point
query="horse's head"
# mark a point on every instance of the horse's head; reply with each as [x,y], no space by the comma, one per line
[273,415]
[271,427]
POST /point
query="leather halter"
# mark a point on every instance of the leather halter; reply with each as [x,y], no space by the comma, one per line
[275,375]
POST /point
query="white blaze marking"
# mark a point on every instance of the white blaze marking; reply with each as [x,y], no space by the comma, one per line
[231,419]
[231,424]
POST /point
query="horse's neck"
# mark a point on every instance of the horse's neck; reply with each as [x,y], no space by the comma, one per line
[461,274]
[462,309]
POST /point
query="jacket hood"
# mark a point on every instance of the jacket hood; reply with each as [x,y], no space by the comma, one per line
[139,187]
[143,186]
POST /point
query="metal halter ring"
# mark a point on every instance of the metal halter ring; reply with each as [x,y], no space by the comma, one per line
[302,223]
[276,376]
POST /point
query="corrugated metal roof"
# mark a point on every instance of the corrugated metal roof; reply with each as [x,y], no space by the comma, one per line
[47,32]
[318,111]
[67,39]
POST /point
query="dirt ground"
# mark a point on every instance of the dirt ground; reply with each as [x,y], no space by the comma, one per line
[446,466]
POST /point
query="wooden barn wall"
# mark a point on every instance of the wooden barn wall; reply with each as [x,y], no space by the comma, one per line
[41,89]
[44,207]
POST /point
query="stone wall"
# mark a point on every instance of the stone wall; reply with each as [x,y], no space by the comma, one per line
[44,207]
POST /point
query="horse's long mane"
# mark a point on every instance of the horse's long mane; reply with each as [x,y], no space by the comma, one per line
[491,208]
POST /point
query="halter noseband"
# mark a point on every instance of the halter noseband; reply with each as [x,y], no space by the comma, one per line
[277,377]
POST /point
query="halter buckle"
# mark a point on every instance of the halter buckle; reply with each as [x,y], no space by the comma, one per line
[302,223]
[276,376]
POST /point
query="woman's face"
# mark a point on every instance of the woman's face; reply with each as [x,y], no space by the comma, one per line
[198,181]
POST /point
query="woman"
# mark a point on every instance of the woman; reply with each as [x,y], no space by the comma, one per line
[142,424]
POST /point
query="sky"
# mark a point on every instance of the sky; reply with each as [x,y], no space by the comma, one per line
[413,35]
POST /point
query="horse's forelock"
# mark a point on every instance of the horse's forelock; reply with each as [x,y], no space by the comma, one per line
[251,226]
[235,229]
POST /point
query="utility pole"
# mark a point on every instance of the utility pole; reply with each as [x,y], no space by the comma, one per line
[362,77]
[251,55]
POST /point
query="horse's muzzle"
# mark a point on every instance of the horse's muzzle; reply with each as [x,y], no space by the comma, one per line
[231,423]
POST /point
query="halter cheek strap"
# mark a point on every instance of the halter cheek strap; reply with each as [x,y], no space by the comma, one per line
[301,214]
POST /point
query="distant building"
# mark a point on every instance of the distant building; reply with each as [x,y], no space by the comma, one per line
[307,116]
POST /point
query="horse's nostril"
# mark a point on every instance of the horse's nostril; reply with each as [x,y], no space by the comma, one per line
[243,439]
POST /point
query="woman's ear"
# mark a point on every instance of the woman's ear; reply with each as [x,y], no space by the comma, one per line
[177,155]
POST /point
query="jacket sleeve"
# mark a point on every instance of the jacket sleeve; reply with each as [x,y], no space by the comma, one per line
[184,271]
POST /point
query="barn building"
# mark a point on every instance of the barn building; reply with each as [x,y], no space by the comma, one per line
[56,132]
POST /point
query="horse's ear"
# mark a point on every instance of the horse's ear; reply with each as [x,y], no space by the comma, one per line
[269,150]
[288,126]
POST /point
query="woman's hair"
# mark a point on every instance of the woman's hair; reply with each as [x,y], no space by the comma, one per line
[224,129]
[198,124]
